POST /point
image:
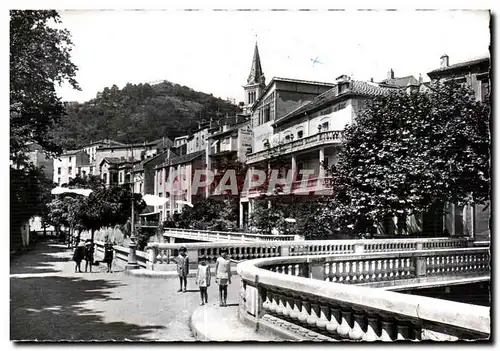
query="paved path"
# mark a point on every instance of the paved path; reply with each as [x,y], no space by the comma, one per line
[48,301]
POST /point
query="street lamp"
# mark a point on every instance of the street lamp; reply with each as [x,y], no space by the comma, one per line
[132,258]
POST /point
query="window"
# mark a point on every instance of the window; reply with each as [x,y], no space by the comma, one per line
[288,137]
[105,178]
[59,181]
[84,173]
[79,170]
[267,113]
[91,170]
[300,134]
[226,141]
[324,126]
[70,159]
[160,194]
[121,177]
[70,169]
[140,187]
[59,170]
[160,178]
[325,163]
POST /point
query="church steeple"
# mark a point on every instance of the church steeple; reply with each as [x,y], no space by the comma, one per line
[256,75]
[256,82]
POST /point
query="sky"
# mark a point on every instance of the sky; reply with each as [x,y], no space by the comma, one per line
[211,51]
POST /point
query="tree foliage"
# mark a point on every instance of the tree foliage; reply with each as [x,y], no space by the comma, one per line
[209,214]
[39,59]
[408,153]
[139,113]
[105,206]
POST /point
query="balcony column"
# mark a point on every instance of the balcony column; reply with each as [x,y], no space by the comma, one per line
[208,168]
[241,214]
[321,160]
[294,168]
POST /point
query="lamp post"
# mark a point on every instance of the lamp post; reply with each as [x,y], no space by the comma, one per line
[132,258]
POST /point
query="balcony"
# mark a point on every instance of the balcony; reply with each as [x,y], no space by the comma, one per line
[317,186]
[333,137]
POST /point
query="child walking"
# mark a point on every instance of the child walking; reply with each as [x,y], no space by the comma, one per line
[223,275]
[78,256]
[108,256]
[203,277]
[182,268]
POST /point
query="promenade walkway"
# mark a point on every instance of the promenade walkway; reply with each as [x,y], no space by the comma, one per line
[49,302]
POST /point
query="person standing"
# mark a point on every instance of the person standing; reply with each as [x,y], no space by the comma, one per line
[223,275]
[182,268]
[108,256]
[203,277]
[89,255]
[78,256]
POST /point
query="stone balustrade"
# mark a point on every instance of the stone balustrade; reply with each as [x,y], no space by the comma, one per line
[121,254]
[388,268]
[161,253]
[209,235]
[278,293]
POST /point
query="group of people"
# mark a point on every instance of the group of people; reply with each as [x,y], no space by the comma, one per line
[204,274]
[86,252]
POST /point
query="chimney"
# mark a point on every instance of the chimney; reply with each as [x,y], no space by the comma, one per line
[390,74]
[371,79]
[445,61]
[420,79]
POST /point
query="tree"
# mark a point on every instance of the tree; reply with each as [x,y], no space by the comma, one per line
[39,59]
[410,153]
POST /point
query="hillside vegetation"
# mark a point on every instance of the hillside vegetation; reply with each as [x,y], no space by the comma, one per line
[139,113]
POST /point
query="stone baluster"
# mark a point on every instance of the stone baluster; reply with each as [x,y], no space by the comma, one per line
[340,272]
[267,301]
[387,333]
[366,276]
[345,327]
[385,271]
[322,321]
[334,271]
[379,270]
[372,328]
[273,306]
[297,308]
[373,270]
[313,315]
[356,332]
[280,305]
[391,269]
[290,269]
[397,267]
[304,312]
[334,321]
[287,310]
[327,271]
[402,330]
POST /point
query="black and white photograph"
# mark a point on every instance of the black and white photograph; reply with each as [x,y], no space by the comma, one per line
[263,175]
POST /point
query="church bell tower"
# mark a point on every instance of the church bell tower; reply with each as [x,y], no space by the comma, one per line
[256,82]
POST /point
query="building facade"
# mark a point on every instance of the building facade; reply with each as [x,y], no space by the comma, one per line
[69,165]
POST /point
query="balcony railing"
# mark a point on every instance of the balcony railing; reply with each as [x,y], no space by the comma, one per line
[209,235]
[318,139]
[279,294]
[319,185]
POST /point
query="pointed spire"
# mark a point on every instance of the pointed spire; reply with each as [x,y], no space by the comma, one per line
[256,76]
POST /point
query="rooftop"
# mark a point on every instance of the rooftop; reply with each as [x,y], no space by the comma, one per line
[356,88]
[460,65]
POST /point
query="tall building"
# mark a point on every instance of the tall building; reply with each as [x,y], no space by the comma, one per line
[256,82]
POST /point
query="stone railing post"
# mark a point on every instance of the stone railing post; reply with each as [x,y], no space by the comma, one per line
[192,254]
[420,246]
[152,254]
[359,248]
[420,266]
[285,250]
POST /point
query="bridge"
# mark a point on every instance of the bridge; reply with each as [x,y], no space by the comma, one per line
[328,290]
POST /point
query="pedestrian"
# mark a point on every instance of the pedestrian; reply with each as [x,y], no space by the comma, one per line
[203,277]
[89,255]
[182,268]
[78,256]
[108,255]
[223,275]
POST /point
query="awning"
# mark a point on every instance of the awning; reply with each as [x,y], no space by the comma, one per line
[153,200]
